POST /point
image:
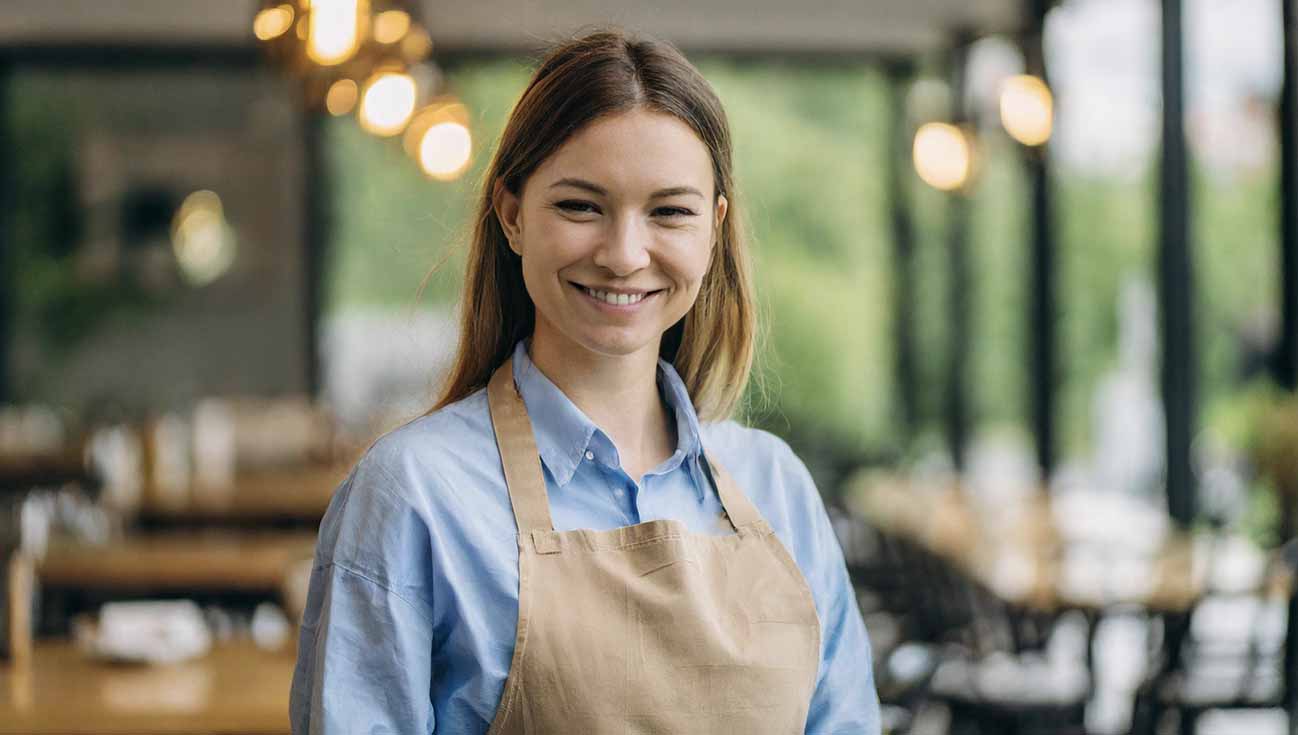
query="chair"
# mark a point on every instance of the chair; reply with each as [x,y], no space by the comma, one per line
[1232,651]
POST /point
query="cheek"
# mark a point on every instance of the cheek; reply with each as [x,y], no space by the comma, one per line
[685,262]
[557,246]
[692,255]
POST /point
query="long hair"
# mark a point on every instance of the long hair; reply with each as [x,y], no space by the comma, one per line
[577,83]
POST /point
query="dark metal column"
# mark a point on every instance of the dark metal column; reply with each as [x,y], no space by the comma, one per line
[1286,362]
[1043,345]
[903,241]
[1287,359]
[957,391]
[315,232]
[8,250]
[1176,278]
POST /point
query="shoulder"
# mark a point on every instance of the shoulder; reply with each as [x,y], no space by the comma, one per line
[413,481]
[768,471]
[731,439]
[427,451]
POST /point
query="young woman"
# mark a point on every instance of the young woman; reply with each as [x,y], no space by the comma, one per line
[577,539]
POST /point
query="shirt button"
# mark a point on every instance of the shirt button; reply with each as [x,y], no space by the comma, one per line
[590,455]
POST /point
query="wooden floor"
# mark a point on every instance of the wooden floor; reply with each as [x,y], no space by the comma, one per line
[236,688]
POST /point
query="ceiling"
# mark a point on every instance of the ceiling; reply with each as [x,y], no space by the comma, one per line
[866,27]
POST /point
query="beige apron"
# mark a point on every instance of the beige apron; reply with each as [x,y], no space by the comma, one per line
[649,628]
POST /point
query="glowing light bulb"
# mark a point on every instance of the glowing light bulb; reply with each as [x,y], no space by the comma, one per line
[942,155]
[201,238]
[273,22]
[1027,109]
[387,102]
[341,97]
[390,26]
[445,149]
[333,32]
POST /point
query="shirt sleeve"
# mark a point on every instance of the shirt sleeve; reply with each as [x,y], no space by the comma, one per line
[365,650]
[845,700]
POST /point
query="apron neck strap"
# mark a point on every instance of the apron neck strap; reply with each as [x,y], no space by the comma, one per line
[518,453]
[522,462]
[739,509]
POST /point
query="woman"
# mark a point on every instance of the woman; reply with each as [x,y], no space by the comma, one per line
[560,546]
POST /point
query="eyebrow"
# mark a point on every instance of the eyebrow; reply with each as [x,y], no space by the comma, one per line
[597,189]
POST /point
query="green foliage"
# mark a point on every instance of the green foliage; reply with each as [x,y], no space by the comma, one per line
[58,305]
[811,147]
[810,158]
[391,223]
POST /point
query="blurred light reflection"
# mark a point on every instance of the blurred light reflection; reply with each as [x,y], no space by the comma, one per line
[334,30]
[1027,109]
[387,103]
[203,241]
[942,155]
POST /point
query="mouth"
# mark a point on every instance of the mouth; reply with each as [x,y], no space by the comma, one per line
[616,301]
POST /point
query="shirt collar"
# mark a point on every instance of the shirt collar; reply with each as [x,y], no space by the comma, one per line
[564,433]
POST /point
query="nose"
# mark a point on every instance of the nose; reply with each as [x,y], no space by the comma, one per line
[625,246]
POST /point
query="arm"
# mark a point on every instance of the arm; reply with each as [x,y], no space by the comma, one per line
[364,656]
[845,700]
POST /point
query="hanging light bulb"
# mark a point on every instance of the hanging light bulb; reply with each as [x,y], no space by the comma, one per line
[445,150]
[391,26]
[416,44]
[203,241]
[439,139]
[272,22]
[334,29]
[942,154]
[1027,109]
[341,97]
[387,102]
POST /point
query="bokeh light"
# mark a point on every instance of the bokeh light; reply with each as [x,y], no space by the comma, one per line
[272,22]
[341,97]
[445,149]
[440,140]
[943,157]
[203,241]
[387,103]
[416,44]
[334,30]
[1027,109]
[391,26]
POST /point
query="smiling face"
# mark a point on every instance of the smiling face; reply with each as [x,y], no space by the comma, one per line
[616,231]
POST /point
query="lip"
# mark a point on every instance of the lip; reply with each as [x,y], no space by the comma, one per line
[612,289]
[616,308]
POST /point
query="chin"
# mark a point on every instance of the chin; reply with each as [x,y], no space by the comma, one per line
[619,345]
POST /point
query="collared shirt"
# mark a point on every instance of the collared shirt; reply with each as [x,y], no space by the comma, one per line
[412,609]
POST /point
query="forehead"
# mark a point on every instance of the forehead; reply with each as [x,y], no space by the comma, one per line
[632,153]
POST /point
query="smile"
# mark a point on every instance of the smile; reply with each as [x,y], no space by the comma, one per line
[619,301]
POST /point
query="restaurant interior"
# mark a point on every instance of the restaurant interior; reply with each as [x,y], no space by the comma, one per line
[1031,269]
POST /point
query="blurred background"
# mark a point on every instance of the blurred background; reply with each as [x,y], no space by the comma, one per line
[1029,270]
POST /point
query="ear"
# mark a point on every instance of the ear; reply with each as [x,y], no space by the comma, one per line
[723,206]
[508,209]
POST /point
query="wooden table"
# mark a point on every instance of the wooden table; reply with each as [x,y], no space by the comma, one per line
[205,560]
[235,688]
[301,493]
[1021,562]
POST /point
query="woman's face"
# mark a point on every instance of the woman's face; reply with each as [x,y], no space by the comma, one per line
[615,231]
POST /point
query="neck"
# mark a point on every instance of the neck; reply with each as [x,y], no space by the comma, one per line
[619,393]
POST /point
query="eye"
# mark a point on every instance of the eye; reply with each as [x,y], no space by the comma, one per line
[576,206]
[673,212]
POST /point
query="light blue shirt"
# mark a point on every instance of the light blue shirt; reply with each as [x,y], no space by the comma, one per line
[413,605]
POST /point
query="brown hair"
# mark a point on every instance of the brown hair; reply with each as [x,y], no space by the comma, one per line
[578,82]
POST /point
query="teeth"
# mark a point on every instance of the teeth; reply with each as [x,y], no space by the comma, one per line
[613,298]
